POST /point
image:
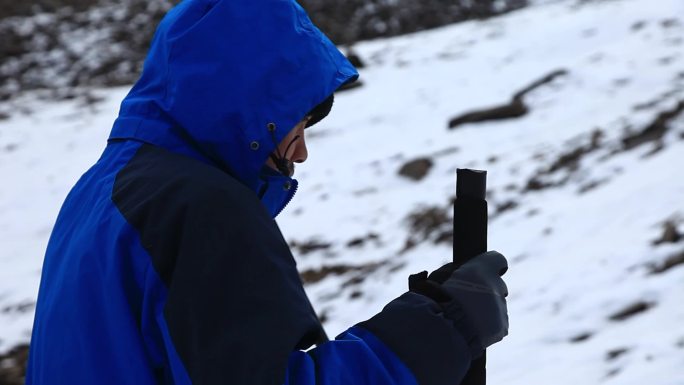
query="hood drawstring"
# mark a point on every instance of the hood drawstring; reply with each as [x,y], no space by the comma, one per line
[283,164]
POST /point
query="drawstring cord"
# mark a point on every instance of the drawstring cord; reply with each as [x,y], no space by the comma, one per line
[282,163]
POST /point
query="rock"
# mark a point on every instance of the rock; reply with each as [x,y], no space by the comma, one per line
[670,23]
[670,234]
[637,26]
[355,59]
[631,310]
[615,353]
[581,337]
[13,366]
[536,184]
[416,169]
[505,206]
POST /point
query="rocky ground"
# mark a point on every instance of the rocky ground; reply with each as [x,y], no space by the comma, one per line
[65,47]
[13,366]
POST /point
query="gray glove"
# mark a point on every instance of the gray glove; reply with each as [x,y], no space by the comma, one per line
[472,296]
[446,319]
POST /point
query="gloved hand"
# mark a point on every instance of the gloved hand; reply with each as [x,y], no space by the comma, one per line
[476,290]
[446,319]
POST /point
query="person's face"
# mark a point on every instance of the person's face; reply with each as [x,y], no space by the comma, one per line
[292,147]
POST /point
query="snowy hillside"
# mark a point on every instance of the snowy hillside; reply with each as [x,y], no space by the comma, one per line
[586,184]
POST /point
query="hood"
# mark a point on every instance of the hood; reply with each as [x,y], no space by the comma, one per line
[219,73]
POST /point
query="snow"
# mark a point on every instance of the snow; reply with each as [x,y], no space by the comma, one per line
[576,258]
[41,156]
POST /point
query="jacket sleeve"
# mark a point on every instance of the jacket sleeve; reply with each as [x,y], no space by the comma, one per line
[354,357]
[418,346]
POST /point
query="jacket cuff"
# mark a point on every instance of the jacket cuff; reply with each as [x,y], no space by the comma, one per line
[433,347]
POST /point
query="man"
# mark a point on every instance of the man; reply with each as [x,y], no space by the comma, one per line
[165,265]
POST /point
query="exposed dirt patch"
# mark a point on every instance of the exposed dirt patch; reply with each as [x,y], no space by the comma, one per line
[416,169]
[63,46]
[581,337]
[354,58]
[306,247]
[324,316]
[680,343]
[658,100]
[613,372]
[592,185]
[563,167]
[568,161]
[669,263]
[571,160]
[13,366]
[429,223]
[631,310]
[362,241]
[513,109]
[11,147]
[26,8]
[359,272]
[670,234]
[670,23]
[501,208]
[638,26]
[654,131]
[616,353]
[22,307]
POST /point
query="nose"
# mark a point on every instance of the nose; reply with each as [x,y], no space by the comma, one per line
[300,153]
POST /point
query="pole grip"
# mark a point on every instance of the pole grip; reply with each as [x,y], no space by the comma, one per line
[470,215]
[470,240]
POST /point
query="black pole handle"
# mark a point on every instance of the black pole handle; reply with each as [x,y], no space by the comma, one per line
[470,240]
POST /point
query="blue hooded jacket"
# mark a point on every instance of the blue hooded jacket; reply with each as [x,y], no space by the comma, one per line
[165,265]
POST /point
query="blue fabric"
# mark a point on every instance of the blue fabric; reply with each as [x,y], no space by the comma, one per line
[94,279]
[354,357]
[218,72]
[99,316]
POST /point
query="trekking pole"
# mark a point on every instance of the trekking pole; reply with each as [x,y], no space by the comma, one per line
[470,240]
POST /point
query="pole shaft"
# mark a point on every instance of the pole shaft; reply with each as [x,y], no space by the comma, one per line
[470,240]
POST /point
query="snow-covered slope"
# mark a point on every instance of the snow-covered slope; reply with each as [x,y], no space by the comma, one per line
[580,187]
